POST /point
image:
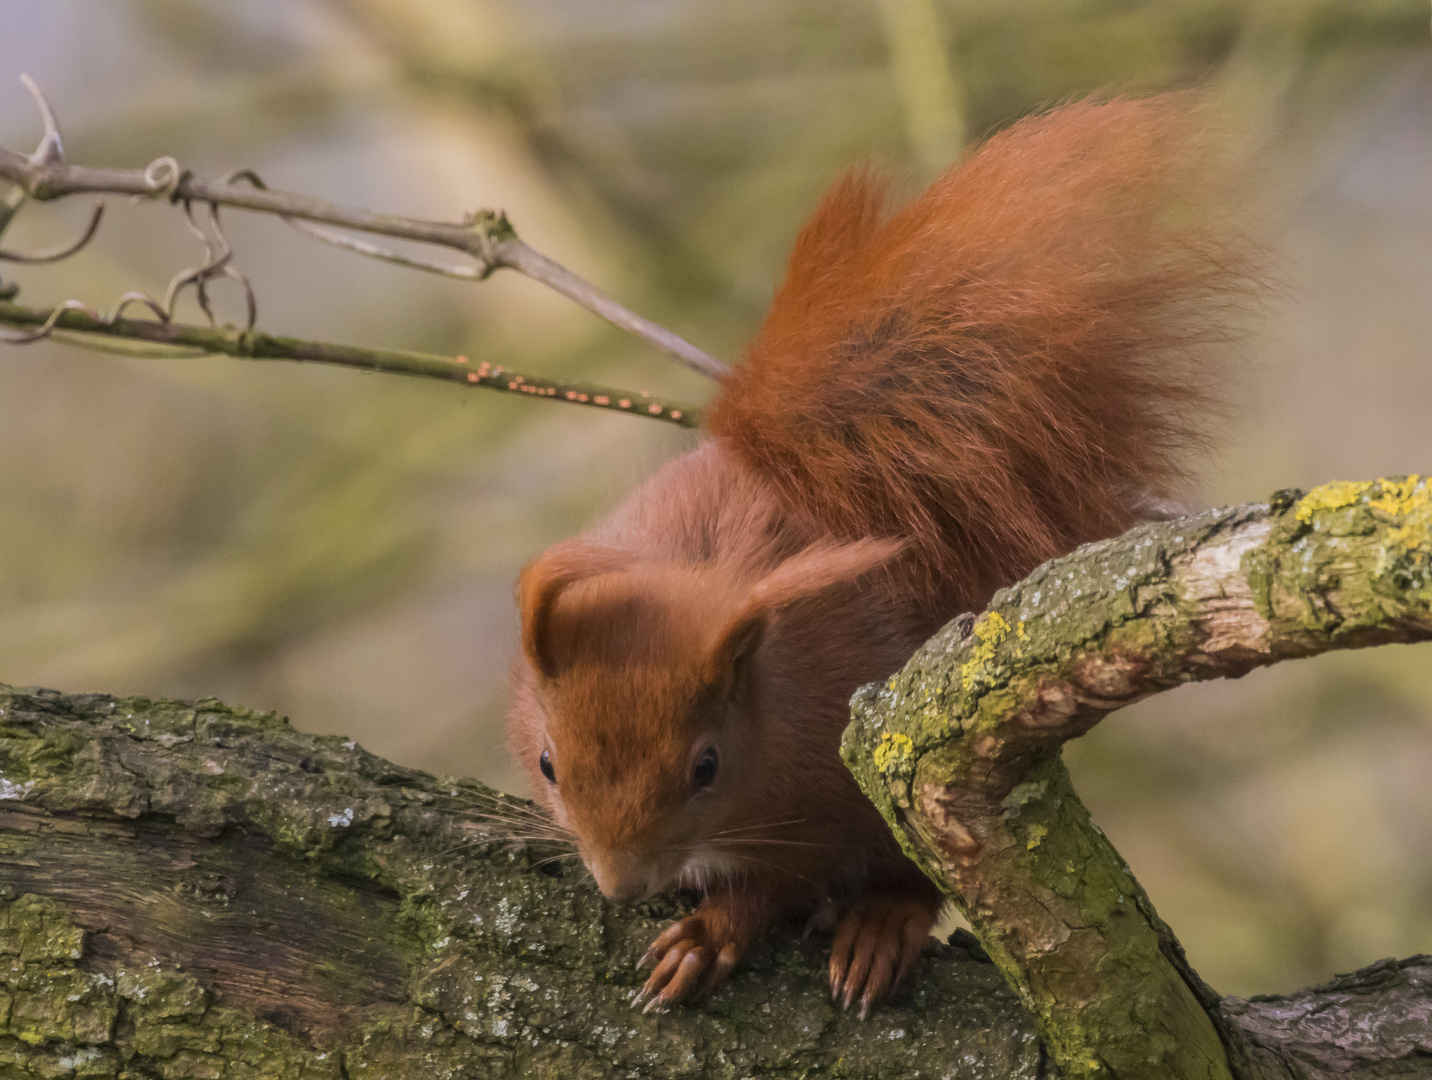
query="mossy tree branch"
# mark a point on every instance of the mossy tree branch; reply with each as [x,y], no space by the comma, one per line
[189,890]
[961,751]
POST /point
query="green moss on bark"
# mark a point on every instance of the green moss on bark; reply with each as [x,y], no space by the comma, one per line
[250,901]
[959,749]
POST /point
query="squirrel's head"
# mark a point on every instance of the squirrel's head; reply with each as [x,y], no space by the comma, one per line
[644,719]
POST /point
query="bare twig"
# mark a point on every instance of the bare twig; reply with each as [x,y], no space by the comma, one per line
[218,256]
[74,317]
[486,236]
[59,253]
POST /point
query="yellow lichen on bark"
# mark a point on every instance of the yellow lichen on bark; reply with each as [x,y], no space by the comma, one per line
[1333,496]
[894,749]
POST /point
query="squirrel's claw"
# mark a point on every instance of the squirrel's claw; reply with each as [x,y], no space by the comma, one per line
[689,965]
[681,977]
[669,938]
[875,948]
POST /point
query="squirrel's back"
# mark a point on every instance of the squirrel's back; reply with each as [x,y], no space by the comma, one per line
[1005,367]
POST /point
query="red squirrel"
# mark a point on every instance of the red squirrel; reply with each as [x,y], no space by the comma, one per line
[941,398]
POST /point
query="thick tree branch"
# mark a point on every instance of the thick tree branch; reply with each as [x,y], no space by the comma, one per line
[190,890]
[961,751]
[253,345]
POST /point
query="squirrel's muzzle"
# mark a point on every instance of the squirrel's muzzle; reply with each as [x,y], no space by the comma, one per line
[623,877]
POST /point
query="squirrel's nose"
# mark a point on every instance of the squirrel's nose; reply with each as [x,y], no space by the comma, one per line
[624,892]
[624,878]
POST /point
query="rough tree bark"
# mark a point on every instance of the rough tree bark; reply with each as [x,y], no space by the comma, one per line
[960,749]
[197,891]
[191,890]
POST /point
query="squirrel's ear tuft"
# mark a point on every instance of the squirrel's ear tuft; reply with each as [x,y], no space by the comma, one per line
[803,575]
[821,566]
[539,587]
[728,660]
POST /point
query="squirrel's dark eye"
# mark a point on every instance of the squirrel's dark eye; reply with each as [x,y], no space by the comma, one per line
[705,770]
[545,764]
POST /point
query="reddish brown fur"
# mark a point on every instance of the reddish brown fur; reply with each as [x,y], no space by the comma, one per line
[987,377]
[645,657]
[999,368]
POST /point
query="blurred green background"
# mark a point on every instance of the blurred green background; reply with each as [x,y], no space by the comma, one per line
[341,547]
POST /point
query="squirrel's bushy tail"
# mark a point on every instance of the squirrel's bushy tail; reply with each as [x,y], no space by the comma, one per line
[1004,367]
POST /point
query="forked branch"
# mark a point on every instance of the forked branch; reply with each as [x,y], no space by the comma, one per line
[486,236]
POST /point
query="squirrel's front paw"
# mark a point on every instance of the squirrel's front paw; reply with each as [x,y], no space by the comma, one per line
[691,960]
[876,945]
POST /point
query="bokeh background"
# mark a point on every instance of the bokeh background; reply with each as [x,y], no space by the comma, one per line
[341,547]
